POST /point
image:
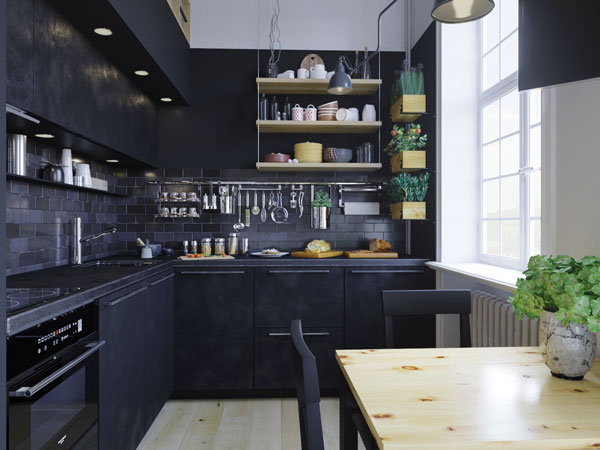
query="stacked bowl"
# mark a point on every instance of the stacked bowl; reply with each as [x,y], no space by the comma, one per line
[308,152]
[328,111]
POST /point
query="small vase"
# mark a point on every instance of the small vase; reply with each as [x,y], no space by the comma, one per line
[272,70]
[568,351]
[319,218]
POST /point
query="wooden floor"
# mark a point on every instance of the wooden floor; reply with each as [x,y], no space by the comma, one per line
[249,424]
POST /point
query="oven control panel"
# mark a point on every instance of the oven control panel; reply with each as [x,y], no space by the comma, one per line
[32,346]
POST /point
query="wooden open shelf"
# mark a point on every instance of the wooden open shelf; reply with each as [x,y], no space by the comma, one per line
[324,126]
[318,167]
[311,86]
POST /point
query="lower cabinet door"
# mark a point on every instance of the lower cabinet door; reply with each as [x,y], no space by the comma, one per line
[122,393]
[273,356]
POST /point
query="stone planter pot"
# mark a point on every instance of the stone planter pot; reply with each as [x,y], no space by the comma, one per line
[568,351]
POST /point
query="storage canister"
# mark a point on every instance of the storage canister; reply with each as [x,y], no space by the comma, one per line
[219,246]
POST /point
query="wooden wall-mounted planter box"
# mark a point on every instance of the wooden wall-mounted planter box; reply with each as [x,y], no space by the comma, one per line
[408,108]
[408,210]
[410,159]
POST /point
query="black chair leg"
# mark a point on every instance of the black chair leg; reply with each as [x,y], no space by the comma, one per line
[348,431]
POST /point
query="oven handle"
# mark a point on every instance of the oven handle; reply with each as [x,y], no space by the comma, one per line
[30,391]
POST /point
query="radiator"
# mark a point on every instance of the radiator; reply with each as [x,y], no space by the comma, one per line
[493,323]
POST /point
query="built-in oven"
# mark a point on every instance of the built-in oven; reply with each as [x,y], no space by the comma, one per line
[53,383]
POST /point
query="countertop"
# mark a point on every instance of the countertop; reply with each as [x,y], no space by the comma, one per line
[95,281]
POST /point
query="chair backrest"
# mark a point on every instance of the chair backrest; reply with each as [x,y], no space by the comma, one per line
[307,385]
[427,302]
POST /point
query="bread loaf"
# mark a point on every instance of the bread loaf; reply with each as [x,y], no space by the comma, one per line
[377,245]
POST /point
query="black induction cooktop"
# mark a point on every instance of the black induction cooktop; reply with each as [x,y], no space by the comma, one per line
[21,298]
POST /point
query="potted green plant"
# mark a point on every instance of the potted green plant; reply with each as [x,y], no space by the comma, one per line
[406,148]
[564,294]
[407,195]
[320,207]
[408,91]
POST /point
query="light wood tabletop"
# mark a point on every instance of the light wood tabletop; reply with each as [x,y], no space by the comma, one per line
[471,398]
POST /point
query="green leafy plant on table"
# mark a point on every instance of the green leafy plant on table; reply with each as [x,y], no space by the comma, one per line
[321,200]
[406,187]
[568,288]
[406,140]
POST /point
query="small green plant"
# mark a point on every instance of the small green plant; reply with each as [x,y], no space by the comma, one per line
[408,188]
[568,288]
[406,140]
[409,81]
[321,200]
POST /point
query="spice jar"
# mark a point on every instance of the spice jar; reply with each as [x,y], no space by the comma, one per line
[195,247]
[219,246]
[206,246]
[233,243]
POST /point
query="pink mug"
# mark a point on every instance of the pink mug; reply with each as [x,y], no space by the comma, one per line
[310,113]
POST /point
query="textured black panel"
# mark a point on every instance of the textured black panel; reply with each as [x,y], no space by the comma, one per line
[558,42]
[19,53]
[79,89]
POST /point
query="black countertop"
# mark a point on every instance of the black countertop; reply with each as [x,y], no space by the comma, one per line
[96,281]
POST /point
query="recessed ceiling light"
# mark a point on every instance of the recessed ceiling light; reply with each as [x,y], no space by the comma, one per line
[142,73]
[44,135]
[103,31]
[112,160]
[166,99]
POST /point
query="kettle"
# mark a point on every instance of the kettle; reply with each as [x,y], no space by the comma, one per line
[53,172]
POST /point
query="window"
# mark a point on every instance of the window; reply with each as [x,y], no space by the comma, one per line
[510,146]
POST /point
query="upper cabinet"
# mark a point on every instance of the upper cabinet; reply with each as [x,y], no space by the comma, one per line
[181,9]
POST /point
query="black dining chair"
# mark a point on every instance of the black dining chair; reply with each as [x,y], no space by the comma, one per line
[307,385]
[427,302]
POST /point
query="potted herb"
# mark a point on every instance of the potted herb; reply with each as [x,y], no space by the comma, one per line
[408,91]
[320,207]
[407,195]
[564,294]
[406,148]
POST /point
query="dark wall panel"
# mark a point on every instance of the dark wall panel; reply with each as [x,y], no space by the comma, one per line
[558,42]
[19,54]
[2,222]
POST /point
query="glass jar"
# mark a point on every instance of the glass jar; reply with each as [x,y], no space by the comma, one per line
[206,246]
[219,246]
[233,243]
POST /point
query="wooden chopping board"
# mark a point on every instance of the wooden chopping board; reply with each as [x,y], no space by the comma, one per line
[371,255]
[310,60]
[207,258]
[331,254]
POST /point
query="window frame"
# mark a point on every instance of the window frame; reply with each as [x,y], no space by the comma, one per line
[493,93]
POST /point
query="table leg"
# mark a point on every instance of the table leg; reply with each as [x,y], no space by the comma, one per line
[348,431]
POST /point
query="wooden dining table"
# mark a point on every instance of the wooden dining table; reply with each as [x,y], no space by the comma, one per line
[464,398]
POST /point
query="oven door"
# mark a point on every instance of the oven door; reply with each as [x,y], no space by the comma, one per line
[58,407]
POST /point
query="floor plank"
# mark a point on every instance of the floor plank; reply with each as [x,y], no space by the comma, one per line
[171,425]
[202,429]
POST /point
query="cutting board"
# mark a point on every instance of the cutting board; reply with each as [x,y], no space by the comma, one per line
[206,258]
[364,254]
[310,60]
[331,254]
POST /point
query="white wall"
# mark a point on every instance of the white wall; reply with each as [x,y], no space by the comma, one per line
[420,18]
[304,25]
[573,202]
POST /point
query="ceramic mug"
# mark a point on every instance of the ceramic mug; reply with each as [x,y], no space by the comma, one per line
[310,113]
[302,72]
[164,196]
[192,197]
[174,211]
[193,212]
[184,196]
[174,195]
[368,114]
[342,114]
[164,212]
[183,211]
[298,113]
[318,71]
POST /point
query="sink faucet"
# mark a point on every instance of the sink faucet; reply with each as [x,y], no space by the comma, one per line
[78,240]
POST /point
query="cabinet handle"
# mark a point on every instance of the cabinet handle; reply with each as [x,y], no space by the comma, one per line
[298,271]
[161,280]
[122,299]
[216,272]
[387,271]
[316,333]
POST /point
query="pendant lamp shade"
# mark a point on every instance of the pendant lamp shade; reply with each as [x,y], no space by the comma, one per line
[459,11]
[340,82]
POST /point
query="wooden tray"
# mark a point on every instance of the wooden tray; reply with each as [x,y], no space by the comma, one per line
[364,254]
[207,258]
[331,254]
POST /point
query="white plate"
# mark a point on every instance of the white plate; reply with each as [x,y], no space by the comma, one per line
[270,255]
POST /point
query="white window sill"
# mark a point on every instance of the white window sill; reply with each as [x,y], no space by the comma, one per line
[494,276]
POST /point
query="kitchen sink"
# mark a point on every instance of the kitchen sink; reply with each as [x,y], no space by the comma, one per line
[104,263]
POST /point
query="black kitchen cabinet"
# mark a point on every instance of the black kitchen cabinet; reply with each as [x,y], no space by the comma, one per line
[122,388]
[19,53]
[273,365]
[364,326]
[214,330]
[314,295]
[158,345]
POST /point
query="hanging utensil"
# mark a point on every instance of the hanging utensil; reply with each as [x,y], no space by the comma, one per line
[263,212]
[255,208]
[279,214]
[239,226]
[293,201]
[300,204]
[271,200]
[247,209]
